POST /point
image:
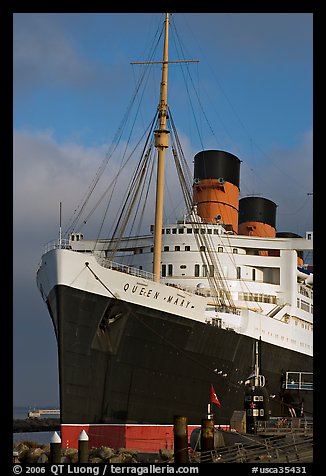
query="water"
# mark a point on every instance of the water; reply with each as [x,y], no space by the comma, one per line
[40,437]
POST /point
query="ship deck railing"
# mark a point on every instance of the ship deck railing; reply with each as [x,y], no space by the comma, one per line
[123,268]
[283,426]
[57,244]
[268,450]
[298,381]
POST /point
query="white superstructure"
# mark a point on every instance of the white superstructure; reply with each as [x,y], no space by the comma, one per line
[266,296]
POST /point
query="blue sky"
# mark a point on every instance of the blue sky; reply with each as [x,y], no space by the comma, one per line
[72,84]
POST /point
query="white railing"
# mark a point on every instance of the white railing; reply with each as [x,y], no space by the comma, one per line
[57,244]
[123,268]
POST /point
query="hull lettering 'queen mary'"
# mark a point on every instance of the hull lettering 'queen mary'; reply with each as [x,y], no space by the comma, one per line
[147,324]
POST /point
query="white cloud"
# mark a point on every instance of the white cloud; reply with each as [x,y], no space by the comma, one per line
[284,176]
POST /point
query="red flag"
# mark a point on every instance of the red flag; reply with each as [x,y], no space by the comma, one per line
[214,398]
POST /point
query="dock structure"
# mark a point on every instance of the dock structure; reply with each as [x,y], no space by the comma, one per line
[38,413]
[298,381]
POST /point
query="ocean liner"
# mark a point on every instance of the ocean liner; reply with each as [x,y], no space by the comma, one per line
[146,324]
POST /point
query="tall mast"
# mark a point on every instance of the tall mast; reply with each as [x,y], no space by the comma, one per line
[161,143]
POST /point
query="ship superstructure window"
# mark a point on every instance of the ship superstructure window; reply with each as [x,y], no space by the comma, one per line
[168,231]
[77,236]
[187,248]
[209,231]
[196,270]
[174,231]
[204,270]
[238,272]
[181,231]
[170,269]
[235,250]
[202,248]
[166,248]
[208,271]
[196,231]
[219,249]
[202,231]
[215,231]
[183,266]
[163,270]
[189,231]
[257,297]
[177,248]
[254,275]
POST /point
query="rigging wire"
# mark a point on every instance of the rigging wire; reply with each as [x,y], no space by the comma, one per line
[132,192]
[73,222]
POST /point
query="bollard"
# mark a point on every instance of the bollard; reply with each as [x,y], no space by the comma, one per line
[83,447]
[207,440]
[180,431]
[55,449]
[15,455]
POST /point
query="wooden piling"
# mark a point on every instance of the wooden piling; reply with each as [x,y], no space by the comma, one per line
[55,449]
[207,440]
[83,447]
[180,431]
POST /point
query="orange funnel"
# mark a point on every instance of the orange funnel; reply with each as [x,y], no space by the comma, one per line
[216,187]
[257,217]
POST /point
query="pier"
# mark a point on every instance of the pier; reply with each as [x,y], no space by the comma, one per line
[38,413]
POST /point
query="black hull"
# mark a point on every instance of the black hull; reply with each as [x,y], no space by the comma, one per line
[123,363]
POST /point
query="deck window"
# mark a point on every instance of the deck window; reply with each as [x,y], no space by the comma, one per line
[196,270]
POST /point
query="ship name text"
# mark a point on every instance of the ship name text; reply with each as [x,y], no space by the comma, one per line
[150,293]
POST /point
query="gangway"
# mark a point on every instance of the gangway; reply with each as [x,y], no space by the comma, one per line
[299,380]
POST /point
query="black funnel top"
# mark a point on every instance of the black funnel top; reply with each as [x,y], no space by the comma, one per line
[257,209]
[217,164]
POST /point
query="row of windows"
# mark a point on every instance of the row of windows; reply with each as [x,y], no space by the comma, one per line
[293,341]
[257,297]
[181,231]
[187,248]
[204,270]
